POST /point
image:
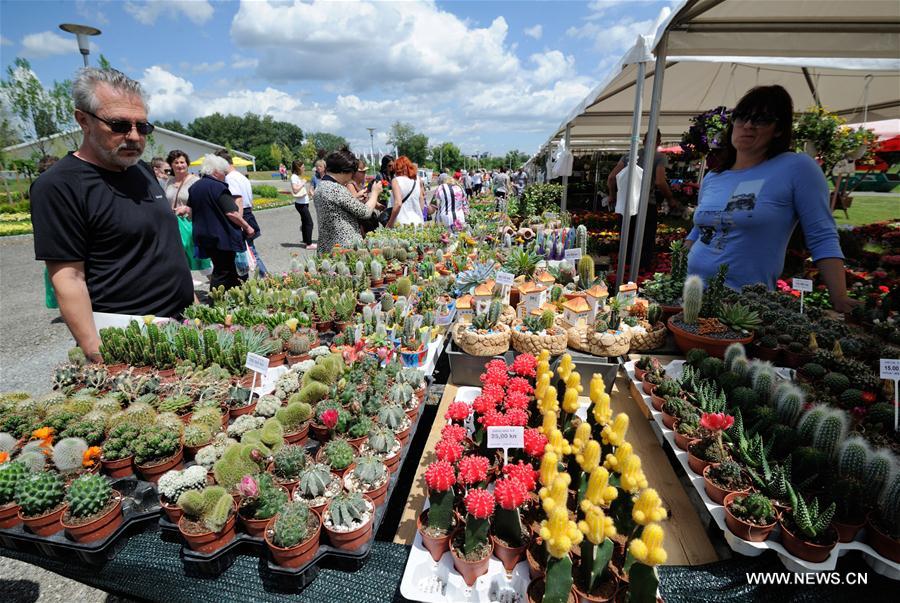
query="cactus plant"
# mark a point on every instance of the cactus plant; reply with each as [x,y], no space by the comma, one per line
[763,380]
[375,268]
[441,478]
[172,484]
[294,524]
[347,509]
[267,406]
[10,475]
[314,480]
[155,444]
[487,320]
[808,519]
[267,500]
[754,508]
[367,297]
[809,424]
[881,465]
[370,471]
[290,461]
[338,453]
[40,493]
[789,400]
[831,431]
[586,276]
[381,440]
[68,454]
[88,495]
[294,415]
[889,508]
[692,294]
[392,416]
[119,442]
[236,461]
[853,458]
[211,506]
[836,382]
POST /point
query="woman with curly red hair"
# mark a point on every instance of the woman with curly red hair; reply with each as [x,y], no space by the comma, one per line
[406,193]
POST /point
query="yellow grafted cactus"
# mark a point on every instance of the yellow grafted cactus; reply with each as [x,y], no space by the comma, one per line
[615,461]
[614,434]
[560,533]
[557,493]
[648,548]
[549,423]
[599,492]
[565,366]
[632,476]
[549,467]
[540,389]
[570,400]
[648,508]
[544,355]
[589,457]
[574,380]
[549,403]
[557,443]
[596,526]
[601,408]
[582,435]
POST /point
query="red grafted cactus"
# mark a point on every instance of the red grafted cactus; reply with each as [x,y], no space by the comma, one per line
[517,417]
[516,399]
[440,476]
[483,404]
[519,385]
[454,433]
[457,411]
[525,365]
[493,392]
[473,469]
[510,493]
[492,418]
[448,450]
[522,472]
[534,443]
[479,503]
[494,375]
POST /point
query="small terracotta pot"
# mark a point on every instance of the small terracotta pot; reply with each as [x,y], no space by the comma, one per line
[658,401]
[413,413]
[743,529]
[320,457]
[340,325]
[151,472]
[582,597]
[535,569]
[509,556]
[208,542]
[166,374]
[420,393]
[884,545]
[403,436]
[436,546]
[357,442]
[294,359]
[714,347]
[119,468]
[639,373]
[379,494]
[114,369]
[471,570]
[100,528]
[669,420]
[298,437]
[9,516]
[696,464]
[647,386]
[323,327]
[351,541]
[277,359]
[392,462]
[681,440]
[320,432]
[191,451]
[46,524]
[254,527]
[173,512]
[847,532]
[242,410]
[817,553]
[297,555]
[713,491]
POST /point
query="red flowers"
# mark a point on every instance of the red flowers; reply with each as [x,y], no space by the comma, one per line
[458,411]
[525,365]
[449,451]
[716,421]
[330,418]
[534,443]
[517,417]
[495,373]
[868,397]
[479,503]
[439,476]
[473,469]
[510,493]
[493,392]
[884,289]
[484,404]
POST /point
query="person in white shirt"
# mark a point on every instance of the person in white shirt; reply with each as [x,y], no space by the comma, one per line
[407,194]
[300,192]
[240,188]
[476,182]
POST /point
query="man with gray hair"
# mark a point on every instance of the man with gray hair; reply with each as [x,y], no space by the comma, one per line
[101,220]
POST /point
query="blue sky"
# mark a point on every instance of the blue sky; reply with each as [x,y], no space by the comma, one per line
[489,76]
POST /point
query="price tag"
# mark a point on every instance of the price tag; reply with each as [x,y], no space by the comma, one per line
[573,255]
[505,279]
[506,438]
[257,364]
[802,284]
[890,369]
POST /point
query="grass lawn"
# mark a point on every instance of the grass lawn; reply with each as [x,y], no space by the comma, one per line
[866,210]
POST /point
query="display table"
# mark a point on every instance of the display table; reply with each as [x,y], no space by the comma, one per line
[686,541]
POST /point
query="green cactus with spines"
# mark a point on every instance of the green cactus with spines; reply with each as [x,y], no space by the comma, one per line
[764,381]
[831,432]
[789,400]
[756,506]
[294,524]
[267,439]
[880,466]
[369,470]
[381,440]
[889,507]
[692,294]
[211,506]
[586,275]
[88,495]
[836,382]
[338,453]
[391,416]
[733,352]
[310,393]
[39,493]
[92,431]
[809,520]
[314,480]
[270,499]
[10,475]
[367,297]
[236,462]
[809,424]
[290,461]
[376,268]
[744,397]
[387,303]
[209,417]
[853,458]
[401,394]
[197,434]
[360,427]
[347,508]
[403,286]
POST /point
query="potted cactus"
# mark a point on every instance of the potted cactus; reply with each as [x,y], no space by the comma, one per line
[316,485]
[485,335]
[720,479]
[665,389]
[348,521]
[413,343]
[208,521]
[10,475]
[644,364]
[172,484]
[650,332]
[294,418]
[384,443]
[435,524]
[710,449]
[41,500]
[536,333]
[749,516]
[338,455]
[393,417]
[376,270]
[509,537]
[292,536]
[94,510]
[157,450]
[403,395]
[883,534]
[606,336]
[470,546]
[261,499]
[287,464]
[118,453]
[298,346]
[806,531]
[370,477]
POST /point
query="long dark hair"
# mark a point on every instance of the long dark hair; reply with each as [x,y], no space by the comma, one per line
[341,162]
[772,102]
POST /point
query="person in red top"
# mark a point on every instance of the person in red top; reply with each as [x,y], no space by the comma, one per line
[456,175]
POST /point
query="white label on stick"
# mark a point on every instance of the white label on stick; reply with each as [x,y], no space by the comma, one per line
[257,364]
[505,279]
[506,437]
[573,254]
[890,369]
[802,284]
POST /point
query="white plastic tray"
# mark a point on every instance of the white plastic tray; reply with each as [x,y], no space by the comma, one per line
[878,563]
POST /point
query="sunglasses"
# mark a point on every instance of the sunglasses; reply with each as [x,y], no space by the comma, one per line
[124,127]
[752,119]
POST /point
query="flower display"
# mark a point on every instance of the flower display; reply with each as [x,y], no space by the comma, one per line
[91,456]
[522,472]
[516,417]
[716,421]
[483,404]
[248,487]
[479,503]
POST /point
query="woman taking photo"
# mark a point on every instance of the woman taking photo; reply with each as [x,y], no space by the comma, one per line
[177,189]
[300,192]
[341,215]
[751,203]
[406,194]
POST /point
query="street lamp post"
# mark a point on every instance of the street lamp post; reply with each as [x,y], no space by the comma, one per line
[372,143]
[82,33]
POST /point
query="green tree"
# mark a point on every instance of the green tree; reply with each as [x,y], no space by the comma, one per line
[247,132]
[328,142]
[447,155]
[409,142]
[275,153]
[104,63]
[39,112]
[174,125]
[307,152]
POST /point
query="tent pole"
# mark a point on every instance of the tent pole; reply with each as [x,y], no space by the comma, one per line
[812,86]
[565,179]
[649,157]
[632,161]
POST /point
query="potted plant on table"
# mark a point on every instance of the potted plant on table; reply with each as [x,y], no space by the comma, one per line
[607,336]
[10,475]
[157,450]
[644,364]
[317,485]
[436,523]
[721,479]
[710,449]
[509,537]
[261,499]
[287,464]
[294,418]
[292,536]
[536,333]
[485,335]
[41,500]
[394,418]
[348,521]
[338,455]
[470,546]
[384,443]
[94,509]
[806,531]
[172,484]
[208,521]
[369,476]
[883,532]
[650,332]
[413,343]
[666,288]
[749,516]
[118,453]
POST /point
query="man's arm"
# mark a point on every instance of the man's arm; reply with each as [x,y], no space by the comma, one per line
[75,305]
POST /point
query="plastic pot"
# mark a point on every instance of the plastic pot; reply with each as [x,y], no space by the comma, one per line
[696,464]
[809,551]
[355,539]
[9,516]
[887,547]
[47,524]
[100,528]
[509,556]
[119,468]
[716,493]
[299,436]
[435,545]
[686,340]
[471,570]
[297,555]
[743,529]
[151,472]
[535,591]
[208,542]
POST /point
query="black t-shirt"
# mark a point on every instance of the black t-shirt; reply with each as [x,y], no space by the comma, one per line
[123,229]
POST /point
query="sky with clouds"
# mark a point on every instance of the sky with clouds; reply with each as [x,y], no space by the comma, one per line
[489,76]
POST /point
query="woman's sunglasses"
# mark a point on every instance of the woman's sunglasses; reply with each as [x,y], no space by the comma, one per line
[756,120]
[124,127]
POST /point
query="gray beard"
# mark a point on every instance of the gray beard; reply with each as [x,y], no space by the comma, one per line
[113,158]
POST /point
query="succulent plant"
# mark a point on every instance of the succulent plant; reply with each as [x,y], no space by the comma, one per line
[789,400]
[68,454]
[370,471]
[294,524]
[290,461]
[155,444]
[809,520]
[381,440]
[347,508]
[755,508]
[236,461]
[39,493]
[267,406]
[487,320]
[88,495]
[211,506]
[831,431]
[314,480]
[120,441]
[692,294]
[294,415]
[338,453]
[10,475]
[172,484]
[392,416]
[197,434]
[269,498]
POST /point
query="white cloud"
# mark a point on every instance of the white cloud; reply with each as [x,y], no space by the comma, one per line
[5,41]
[48,44]
[148,11]
[202,67]
[535,32]
[244,62]
[91,11]
[616,36]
